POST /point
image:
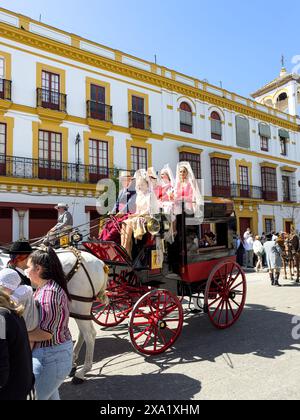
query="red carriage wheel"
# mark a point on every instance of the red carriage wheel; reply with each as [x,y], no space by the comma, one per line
[156,322]
[116,311]
[225,294]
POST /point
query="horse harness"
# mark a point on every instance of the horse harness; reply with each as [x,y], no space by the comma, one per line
[69,277]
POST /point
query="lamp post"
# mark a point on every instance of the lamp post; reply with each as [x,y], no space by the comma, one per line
[77,155]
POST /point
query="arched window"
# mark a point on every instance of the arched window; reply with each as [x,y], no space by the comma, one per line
[186,118]
[216,126]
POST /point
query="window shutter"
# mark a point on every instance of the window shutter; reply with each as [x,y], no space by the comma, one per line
[242,132]
[284,134]
[216,127]
[265,130]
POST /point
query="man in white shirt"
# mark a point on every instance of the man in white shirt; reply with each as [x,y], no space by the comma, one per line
[249,251]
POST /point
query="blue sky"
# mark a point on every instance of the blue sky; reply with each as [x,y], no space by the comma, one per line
[234,42]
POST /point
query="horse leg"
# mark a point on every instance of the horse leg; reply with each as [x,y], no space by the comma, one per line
[77,348]
[89,335]
[297,260]
[285,268]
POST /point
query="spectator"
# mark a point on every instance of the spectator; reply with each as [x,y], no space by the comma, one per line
[249,251]
[247,234]
[52,354]
[240,251]
[21,295]
[19,253]
[274,261]
[258,251]
[16,377]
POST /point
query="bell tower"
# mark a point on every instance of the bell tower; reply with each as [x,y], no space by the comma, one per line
[283,93]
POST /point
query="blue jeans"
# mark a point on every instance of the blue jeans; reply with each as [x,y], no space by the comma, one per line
[51,366]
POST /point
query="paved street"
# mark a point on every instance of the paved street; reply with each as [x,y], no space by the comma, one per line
[256,359]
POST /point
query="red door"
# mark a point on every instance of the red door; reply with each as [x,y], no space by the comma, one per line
[245,223]
[94,224]
[41,221]
[288,227]
[6,226]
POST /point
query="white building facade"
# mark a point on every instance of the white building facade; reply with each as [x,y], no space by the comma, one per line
[72,111]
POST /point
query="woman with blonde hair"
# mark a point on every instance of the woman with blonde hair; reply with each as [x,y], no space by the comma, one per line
[16,375]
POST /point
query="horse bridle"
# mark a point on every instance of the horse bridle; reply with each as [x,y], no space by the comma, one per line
[69,277]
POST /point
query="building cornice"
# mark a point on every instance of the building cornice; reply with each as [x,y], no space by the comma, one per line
[114,66]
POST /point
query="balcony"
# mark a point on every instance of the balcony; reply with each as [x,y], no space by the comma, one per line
[5,89]
[246,191]
[26,168]
[99,111]
[270,195]
[221,191]
[139,121]
[49,99]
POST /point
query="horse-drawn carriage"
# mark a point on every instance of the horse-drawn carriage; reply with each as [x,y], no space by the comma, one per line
[151,290]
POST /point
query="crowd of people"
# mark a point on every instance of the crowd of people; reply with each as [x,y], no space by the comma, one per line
[260,252]
[36,347]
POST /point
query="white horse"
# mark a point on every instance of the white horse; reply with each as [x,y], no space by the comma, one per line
[88,280]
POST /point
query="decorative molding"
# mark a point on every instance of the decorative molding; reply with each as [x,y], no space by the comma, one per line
[107,64]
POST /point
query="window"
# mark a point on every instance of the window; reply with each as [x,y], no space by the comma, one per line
[2,149]
[50,155]
[98,160]
[220,169]
[242,132]
[97,104]
[138,112]
[269,184]
[264,143]
[269,225]
[186,118]
[286,188]
[98,94]
[50,90]
[283,146]
[244,180]
[139,159]
[216,126]
[195,160]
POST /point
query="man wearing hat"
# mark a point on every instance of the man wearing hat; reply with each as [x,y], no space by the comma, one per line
[126,201]
[19,254]
[64,221]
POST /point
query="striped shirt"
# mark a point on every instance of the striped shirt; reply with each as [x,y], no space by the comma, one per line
[54,314]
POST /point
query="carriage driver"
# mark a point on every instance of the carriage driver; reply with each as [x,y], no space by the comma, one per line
[64,221]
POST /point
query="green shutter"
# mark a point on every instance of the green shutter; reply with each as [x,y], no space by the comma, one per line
[242,132]
[284,133]
[265,130]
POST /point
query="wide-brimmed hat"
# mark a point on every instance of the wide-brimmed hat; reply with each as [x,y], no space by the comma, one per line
[152,173]
[61,206]
[125,174]
[19,248]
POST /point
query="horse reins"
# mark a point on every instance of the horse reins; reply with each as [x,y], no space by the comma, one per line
[69,277]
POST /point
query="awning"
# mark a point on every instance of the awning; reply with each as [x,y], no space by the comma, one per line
[265,130]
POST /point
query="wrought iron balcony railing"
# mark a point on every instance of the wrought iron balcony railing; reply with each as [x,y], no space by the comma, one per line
[99,111]
[246,191]
[21,167]
[140,121]
[51,100]
[221,191]
[5,89]
[270,195]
